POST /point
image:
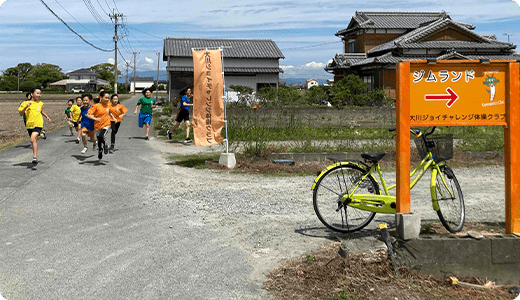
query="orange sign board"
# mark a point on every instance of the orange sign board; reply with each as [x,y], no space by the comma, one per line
[454,94]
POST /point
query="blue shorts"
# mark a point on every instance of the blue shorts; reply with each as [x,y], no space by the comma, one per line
[144,118]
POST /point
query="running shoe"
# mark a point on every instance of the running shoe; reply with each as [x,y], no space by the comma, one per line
[169,135]
[112,146]
[100,154]
[71,134]
[105,148]
[187,140]
[146,138]
[43,134]
[34,160]
[77,141]
[94,147]
[84,150]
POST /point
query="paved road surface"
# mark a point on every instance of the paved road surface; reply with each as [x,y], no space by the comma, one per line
[75,227]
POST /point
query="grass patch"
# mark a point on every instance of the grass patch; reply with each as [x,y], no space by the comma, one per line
[197,161]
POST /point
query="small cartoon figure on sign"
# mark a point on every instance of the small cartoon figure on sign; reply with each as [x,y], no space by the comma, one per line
[491,81]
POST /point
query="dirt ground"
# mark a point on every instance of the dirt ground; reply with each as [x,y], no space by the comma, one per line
[322,274]
[12,129]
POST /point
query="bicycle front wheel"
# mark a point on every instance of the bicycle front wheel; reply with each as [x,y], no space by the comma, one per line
[451,202]
[329,192]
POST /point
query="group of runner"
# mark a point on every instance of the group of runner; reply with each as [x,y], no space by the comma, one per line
[89,119]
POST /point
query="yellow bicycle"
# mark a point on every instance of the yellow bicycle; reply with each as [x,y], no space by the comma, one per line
[346,195]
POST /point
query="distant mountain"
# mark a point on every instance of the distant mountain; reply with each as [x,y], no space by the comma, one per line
[163,75]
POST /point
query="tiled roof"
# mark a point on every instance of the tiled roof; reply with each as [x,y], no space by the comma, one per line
[341,62]
[233,48]
[412,39]
[231,70]
[391,20]
[82,71]
[345,60]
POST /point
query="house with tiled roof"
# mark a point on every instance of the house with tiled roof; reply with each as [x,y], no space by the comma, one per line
[247,62]
[376,41]
[83,80]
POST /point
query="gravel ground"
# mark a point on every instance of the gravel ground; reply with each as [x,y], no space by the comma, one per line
[272,218]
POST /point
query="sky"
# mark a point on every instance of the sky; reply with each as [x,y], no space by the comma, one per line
[303,30]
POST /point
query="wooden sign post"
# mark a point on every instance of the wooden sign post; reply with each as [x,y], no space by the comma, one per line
[460,93]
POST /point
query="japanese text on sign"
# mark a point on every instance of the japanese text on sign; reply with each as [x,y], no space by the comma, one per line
[209,85]
[443,76]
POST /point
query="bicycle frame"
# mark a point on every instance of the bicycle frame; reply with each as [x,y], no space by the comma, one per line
[386,203]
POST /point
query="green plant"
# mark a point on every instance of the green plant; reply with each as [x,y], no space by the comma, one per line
[427,229]
[197,161]
[343,295]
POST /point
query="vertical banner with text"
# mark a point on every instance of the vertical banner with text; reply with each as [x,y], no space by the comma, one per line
[208,104]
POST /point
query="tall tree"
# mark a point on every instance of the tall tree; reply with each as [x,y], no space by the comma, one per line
[43,74]
[105,71]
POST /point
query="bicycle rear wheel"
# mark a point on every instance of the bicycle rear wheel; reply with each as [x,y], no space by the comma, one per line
[328,194]
[451,205]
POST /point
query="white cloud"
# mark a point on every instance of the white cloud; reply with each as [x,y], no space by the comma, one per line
[2,2]
[111,61]
[149,60]
[517,2]
[315,65]
[285,68]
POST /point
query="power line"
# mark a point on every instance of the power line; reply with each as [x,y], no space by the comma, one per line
[77,20]
[95,14]
[94,46]
[145,32]
[317,45]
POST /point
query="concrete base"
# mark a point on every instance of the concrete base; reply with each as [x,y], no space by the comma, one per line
[408,225]
[228,160]
[496,257]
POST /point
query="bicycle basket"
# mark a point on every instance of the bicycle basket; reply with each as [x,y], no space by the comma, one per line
[440,145]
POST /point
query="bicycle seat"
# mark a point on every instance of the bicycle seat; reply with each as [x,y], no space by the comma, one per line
[373,157]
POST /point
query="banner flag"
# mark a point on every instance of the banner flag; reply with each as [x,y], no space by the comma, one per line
[208,104]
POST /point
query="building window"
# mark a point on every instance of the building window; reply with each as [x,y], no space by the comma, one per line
[369,80]
[352,46]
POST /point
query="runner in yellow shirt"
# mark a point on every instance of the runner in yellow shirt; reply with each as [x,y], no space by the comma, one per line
[33,111]
[76,117]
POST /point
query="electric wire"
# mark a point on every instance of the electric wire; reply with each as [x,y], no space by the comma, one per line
[95,14]
[311,46]
[145,32]
[94,46]
[77,20]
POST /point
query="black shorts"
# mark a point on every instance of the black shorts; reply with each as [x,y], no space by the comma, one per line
[183,115]
[75,124]
[35,129]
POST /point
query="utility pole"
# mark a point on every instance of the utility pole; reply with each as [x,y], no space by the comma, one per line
[508,35]
[157,84]
[127,65]
[18,73]
[135,53]
[116,38]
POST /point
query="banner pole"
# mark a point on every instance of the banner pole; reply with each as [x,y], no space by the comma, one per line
[225,98]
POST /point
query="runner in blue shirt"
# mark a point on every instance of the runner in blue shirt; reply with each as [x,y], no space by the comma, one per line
[87,125]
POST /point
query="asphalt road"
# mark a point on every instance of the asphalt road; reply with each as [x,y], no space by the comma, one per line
[75,227]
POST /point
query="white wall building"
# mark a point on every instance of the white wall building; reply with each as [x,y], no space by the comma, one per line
[252,63]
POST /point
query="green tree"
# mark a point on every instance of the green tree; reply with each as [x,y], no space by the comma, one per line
[43,74]
[106,72]
[242,89]
[315,95]
[349,90]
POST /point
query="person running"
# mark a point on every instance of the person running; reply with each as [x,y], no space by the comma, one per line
[33,110]
[117,112]
[99,112]
[183,114]
[87,125]
[76,114]
[145,115]
[27,98]
[68,115]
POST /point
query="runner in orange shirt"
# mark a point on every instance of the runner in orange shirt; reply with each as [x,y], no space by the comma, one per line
[100,113]
[117,112]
